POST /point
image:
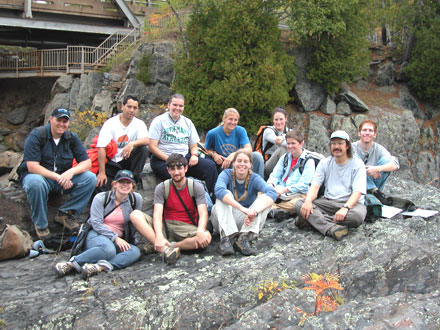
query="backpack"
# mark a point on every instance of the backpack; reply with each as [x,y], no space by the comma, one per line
[374,208]
[258,145]
[317,157]
[14,243]
[80,237]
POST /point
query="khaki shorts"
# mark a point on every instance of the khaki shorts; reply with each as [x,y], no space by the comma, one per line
[177,230]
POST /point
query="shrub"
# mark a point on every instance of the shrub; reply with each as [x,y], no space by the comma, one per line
[144,69]
[236,60]
[422,71]
[85,120]
[336,31]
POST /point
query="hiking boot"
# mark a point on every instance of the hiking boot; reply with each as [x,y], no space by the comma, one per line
[243,246]
[42,233]
[63,268]
[338,232]
[148,248]
[226,248]
[279,214]
[381,197]
[301,223]
[67,220]
[171,254]
[89,270]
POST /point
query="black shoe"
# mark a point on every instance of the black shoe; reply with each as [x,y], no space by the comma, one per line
[381,197]
[243,246]
[279,214]
[301,223]
[338,232]
[226,248]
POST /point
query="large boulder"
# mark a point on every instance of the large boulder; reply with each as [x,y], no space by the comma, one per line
[102,102]
[388,271]
[18,115]
[309,95]
[62,85]
[356,104]
[385,74]
[406,101]
[90,85]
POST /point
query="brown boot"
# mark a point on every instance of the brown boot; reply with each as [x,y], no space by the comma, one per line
[67,219]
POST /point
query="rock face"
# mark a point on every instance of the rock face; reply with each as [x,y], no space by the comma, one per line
[309,95]
[388,269]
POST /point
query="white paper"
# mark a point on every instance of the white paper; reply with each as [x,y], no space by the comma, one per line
[390,211]
[420,213]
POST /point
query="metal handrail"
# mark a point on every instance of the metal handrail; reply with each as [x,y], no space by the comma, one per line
[73,59]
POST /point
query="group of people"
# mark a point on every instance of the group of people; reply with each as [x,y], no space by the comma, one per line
[234,176]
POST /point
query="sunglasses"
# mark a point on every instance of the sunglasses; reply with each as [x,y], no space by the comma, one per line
[174,166]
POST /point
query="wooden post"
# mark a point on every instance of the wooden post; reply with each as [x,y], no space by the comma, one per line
[82,59]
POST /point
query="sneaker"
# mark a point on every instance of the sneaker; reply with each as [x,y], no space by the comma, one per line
[243,246]
[171,254]
[301,223]
[279,214]
[381,197]
[42,233]
[67,220]
[89,270]
[338,232]
[92,269]
[226,248]
[148,248]
[63,268]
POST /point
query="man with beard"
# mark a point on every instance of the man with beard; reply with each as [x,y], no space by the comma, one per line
[342,205]
[180,213]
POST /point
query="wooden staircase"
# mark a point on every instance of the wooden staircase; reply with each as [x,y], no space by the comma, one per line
[71,60]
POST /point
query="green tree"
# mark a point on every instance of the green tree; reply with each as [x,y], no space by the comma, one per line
[235,60]
[336,30]
[415,26]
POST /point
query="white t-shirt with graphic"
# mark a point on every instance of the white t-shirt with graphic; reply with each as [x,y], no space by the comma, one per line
[122,135]
[173,136]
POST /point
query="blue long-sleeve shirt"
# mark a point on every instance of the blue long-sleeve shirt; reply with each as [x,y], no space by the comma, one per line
[296,182]
[256,185]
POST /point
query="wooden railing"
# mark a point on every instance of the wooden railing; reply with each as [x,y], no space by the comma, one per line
[73,59]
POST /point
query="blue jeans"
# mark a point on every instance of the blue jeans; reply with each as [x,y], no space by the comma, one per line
[99,247]
[380,182]
[37,189]
[258,164]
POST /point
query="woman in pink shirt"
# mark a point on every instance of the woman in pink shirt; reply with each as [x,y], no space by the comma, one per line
[110,242]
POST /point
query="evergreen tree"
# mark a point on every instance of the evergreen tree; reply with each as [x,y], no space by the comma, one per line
[336,30]
[235,60]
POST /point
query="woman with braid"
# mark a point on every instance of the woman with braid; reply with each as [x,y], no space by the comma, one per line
[240,211]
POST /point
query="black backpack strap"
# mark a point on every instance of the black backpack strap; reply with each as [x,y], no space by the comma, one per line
[43,135]
[132,199]
[183,204]
[268,144]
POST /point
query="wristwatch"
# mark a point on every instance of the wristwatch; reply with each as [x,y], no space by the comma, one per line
[347,207]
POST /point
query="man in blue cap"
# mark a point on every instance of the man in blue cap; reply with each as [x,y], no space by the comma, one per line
[342,205]
[47,166]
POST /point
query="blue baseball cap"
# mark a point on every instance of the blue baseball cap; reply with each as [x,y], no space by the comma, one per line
[124,175]
[61,112]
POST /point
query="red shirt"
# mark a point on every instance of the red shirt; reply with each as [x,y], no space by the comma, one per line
[174,210]
[294,161]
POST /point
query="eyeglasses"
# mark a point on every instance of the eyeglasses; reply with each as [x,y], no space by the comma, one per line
[174,166]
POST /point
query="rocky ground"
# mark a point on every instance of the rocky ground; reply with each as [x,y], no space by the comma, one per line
[389,272]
